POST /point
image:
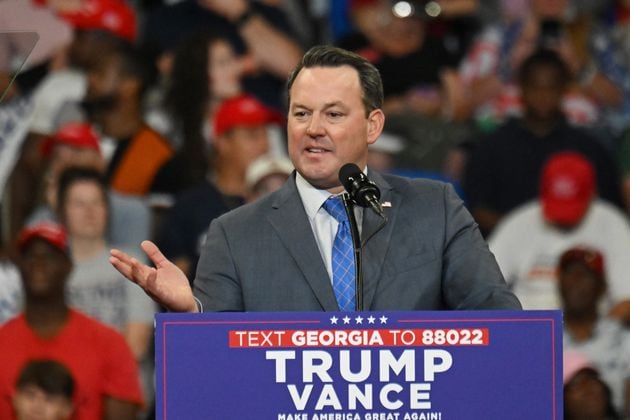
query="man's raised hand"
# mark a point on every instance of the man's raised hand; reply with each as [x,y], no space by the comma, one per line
[165,283]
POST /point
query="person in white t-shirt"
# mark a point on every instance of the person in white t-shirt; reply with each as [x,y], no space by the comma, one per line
[94,286]
[529,241]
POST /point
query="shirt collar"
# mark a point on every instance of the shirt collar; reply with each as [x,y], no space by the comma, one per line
[312,198]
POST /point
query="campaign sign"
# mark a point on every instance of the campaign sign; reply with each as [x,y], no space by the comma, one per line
[360,366]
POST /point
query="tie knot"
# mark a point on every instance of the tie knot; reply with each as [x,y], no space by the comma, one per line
[334,207]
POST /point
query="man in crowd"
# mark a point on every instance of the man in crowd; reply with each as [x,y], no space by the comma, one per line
[98,358]
[113,103]
[241,136]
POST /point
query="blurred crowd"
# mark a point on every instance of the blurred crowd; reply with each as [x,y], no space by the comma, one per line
[125,120]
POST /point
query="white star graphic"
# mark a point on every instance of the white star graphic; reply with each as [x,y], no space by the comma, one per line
[346,319]
[371,319]
[383,319]
[358,319]
[333,320]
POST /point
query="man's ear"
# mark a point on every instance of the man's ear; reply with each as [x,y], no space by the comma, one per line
[376,122]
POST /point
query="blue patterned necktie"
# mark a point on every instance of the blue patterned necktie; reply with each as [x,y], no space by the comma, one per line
[342,256]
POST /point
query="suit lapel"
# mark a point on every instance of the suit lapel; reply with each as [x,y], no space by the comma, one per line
[290,221]
[375,239]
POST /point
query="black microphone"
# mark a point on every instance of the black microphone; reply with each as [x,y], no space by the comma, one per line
[362,191]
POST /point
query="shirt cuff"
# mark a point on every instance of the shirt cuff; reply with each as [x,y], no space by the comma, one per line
[199,304]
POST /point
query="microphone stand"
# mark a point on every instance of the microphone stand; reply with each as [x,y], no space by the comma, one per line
[356,245]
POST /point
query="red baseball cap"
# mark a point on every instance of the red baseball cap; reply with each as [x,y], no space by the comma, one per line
[243,111]
[51,232]
[114,16]
[75,134]
[567,187]
[591,258]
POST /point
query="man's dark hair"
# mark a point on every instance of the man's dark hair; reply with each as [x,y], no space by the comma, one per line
[49,375]
[73,175]
[544,58]
[329,56]
[611,411]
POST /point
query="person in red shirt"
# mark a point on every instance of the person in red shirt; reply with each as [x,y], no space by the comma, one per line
[97,356]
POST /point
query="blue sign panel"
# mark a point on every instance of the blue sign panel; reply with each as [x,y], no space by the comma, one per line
[360,366]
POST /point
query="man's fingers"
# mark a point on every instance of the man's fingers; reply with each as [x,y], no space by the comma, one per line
[131,268]
[141,272]
[122,262]
[154,253]
[123,267]
[119,255]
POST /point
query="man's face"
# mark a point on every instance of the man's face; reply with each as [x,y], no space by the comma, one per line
[85,210]
[542,93]
[44,269]
[580,288]
[242,145]
[327,126]
[31,402]
[103,82]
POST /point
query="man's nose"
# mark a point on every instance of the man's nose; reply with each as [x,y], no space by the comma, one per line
[315,127]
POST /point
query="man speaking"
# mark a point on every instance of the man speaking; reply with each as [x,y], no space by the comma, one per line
[293,249]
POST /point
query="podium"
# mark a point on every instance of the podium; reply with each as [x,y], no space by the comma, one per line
[360,365]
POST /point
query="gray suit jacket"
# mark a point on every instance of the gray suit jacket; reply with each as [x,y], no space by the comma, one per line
[429,256]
